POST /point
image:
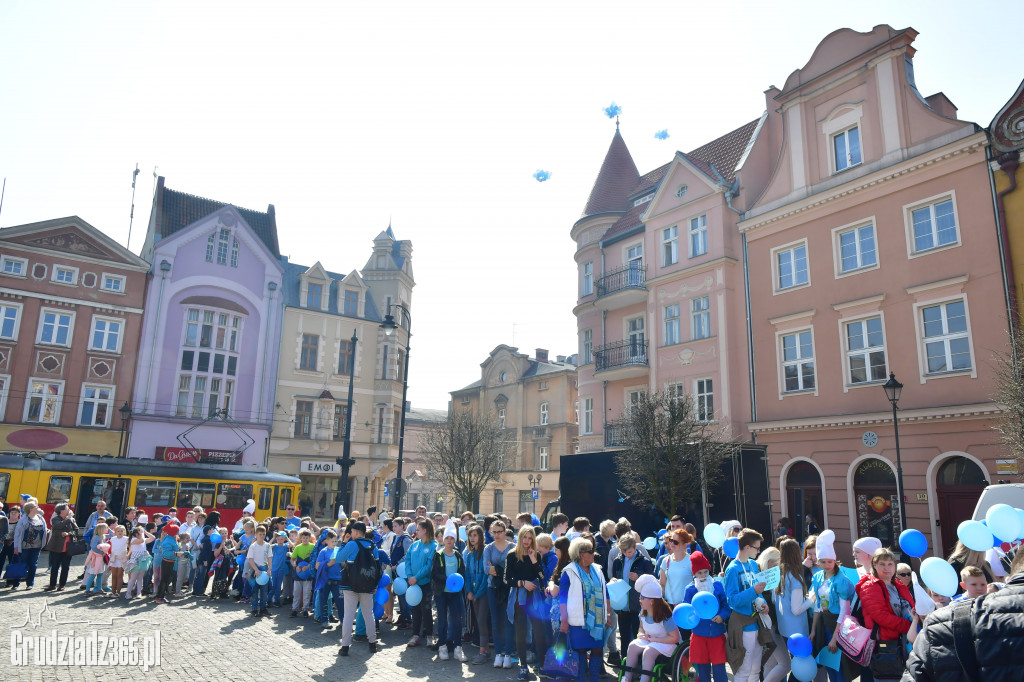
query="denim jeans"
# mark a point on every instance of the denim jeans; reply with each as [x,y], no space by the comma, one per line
[275,585]
[502,632]
[451,610]
[31,559]
[331,592]
[199,584]
[93,582]
[258,600]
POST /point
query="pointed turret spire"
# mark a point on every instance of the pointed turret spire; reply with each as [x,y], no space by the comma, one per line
[618,175]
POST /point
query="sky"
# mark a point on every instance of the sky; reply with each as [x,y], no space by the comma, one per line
[431,116]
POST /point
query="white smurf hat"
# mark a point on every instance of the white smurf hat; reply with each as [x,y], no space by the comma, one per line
[825,545]
[647,585]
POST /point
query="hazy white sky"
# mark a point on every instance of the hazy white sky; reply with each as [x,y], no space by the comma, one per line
[431,114]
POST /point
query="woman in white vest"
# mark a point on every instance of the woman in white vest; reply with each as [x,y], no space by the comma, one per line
[583,605]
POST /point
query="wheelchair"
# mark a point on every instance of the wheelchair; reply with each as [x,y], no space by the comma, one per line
[674,668]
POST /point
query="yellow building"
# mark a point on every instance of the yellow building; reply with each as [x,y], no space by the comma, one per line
[1007,136]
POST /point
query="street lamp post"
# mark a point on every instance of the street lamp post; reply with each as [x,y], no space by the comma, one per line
[893,389]
[126,414]
[346,461]
[389,326]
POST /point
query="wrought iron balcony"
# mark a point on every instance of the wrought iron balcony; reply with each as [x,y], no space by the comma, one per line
[629,277]
[629,353]
[613,435]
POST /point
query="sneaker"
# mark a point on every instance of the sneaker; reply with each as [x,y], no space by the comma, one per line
[373,647]
[459,655]
[413,641]
[343,651]
[254,614]
[332,619]
[442,652]
[264,612]
[107,589]
[161,600]
[531,657]
[359,638]
[324,624]
[506,662]
[497,660]
[294,614]
[479,659]
[524,673]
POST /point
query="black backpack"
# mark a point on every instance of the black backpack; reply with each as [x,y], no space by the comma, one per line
[363,573]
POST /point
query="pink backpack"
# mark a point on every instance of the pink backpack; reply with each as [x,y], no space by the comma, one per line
[856,641]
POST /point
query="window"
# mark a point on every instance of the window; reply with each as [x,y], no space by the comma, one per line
[114,283]
[698,236]
[588,415]
[314,293]
[222,246]
[396,426]
[234,253]
[672,324]
[155,493]
[399,365]
[543,414]
[704,403]
[10,321]
[284,498]
[59,489]
[635,333]
[308,352]
[700,317]
[346,350]
[635,257]
[588,280]
[65,275]
[587,347]
[798,362]
[543,458]
[846,146]
[96,406]
[934,225]
[233,495]
[5,384]
[106,334]
[865,351]
[791,267]
[633,399]
[55,327]
[351,303]
[501,417]
[675,391]
[857,248]
[303,418]
[10,265]
[191,494]
[207,382]
[211,244]
[670,245]
[499,501]
[384,364]
[340,420]
[265,499]
[44,399]
[380,425]
[946,341]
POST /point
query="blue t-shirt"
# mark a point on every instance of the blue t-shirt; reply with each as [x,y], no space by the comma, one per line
[326,554]
[451,565]
[293,522]
[280,557]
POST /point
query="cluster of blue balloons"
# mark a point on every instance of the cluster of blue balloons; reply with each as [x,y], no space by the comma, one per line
[803,666]
[704,606]
[1002,523]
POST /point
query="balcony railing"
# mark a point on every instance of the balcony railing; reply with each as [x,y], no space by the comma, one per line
[629,353]
[629,277]
[614,435]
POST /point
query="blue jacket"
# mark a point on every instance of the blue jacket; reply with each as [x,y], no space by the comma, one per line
[279,561]
[476,575]
[739,591]
[550,563]
[706,627]
[417,562]
[166,547]
[333,572]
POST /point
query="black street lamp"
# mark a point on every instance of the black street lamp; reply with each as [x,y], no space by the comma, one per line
[893,389]
[346,461]
[126,414]
[389,326]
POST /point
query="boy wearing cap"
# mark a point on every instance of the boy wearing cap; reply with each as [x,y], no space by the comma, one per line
[707,639]
[278,566]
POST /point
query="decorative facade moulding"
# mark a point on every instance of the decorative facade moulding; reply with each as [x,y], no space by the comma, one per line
[928,414]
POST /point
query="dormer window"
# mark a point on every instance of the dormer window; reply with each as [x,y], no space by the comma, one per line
[222,245]
[351,304]
[314,295]
[643,200]
[846,145]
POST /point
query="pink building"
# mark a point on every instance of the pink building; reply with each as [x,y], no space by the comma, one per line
[872,248]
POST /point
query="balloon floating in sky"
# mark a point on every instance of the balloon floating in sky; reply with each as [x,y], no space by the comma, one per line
[541,175]
[661,135]
[612,110]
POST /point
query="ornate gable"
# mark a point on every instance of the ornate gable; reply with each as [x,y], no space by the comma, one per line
[68,242]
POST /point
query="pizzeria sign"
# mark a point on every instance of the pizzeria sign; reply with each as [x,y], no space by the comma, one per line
[179,454]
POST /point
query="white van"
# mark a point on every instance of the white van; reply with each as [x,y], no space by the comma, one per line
[1004,493]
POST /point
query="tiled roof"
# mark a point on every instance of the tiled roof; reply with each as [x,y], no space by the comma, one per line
[539,368]
[649,181]
[627,222]
[725,152]
[179,210]
[292,288]
[618,175]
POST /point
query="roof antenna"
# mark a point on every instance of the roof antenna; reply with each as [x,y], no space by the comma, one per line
[131,217]
[616,123]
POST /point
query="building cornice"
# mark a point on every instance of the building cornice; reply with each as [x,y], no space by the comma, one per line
[926,414]
[50,299]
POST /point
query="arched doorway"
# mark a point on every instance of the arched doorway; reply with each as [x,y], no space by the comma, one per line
[803,494]
[958,485]
[874,489]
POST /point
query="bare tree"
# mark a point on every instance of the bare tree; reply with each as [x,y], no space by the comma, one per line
[670,454]
[466,452]
[1010,395]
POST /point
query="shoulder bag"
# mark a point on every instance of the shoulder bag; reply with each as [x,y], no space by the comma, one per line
[561,661]
[74,546]
[889,660]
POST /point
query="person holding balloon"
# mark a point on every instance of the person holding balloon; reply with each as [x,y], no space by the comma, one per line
[888,603]
[832,593]
[476,588]
[744,594]
[706,596]
[302,585]
[583,608]
[658,634]
[447,582]
[417,569]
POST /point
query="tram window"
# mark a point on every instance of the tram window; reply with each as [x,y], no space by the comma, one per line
[59,490]
[192,494]
[233,495]
[285,498]
[266,498]
[5,484]
[154,493]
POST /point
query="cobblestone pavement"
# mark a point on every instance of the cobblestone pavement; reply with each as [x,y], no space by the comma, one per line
[202,640]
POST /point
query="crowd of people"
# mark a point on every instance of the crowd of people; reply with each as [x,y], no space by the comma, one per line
[503,587]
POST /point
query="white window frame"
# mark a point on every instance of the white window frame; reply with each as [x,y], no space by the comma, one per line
[588,416]
[632,398]
[670,245]
[23,262]
[5,389]
[837,249]
[587,283]
[543,458]
[92,333]
[700,317]
[777,287]
[848,354]
[700,399]
[930,202]
[42,320]
[19,309]
[674,390]
[849,162]
[781,362]
[697,236]
[59,399]
[671,329]
[117,278]
[501,417]
[57,270]
[922,340]
[544,415]
[586,346]
[83,398]
[638,256]
[850,117]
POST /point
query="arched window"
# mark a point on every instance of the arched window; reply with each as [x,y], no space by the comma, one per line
[874,489]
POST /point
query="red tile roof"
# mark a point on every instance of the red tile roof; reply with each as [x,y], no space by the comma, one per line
[618,175]
[725,152]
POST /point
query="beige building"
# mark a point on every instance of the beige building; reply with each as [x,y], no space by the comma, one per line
[420,487]
[536,400]
[323,310]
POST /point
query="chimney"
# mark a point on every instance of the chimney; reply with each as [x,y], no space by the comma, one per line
[560,358]
[542,355]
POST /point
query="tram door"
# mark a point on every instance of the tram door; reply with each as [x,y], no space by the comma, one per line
[113,491]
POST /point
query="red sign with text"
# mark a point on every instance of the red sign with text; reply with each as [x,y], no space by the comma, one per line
[178,454]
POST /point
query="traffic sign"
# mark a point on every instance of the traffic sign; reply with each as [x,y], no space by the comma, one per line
[385,490]
[534,493]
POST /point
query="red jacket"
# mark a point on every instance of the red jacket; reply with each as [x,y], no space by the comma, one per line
[874,599]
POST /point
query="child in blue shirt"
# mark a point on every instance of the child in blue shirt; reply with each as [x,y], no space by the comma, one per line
[328,577]
[278,566]
[744,598]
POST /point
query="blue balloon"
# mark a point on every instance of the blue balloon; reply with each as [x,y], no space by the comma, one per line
[800,645]
[240,560]
[650,544]
[462,534]
[706,605]
[939,576]
[731,547]
[685,616]
[804,668]
[378,611]
[534,519]
[1003,521]
[714,535]
[401,570]
[216,538]
[913,542]
[1020,515]
[975,535]
[400,586]
[454,583]
[414,595]
[618,594]
[263,578]
[385,580]
[661,533]
[381,596]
